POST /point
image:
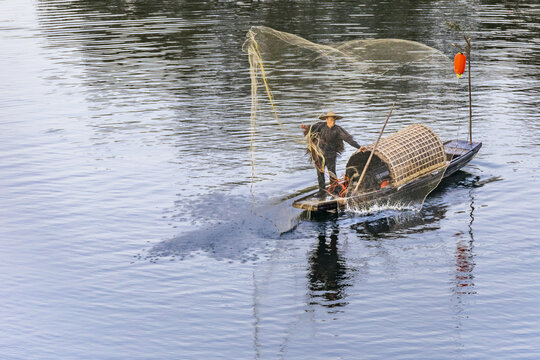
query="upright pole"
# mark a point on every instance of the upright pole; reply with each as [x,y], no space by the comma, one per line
[373,150]
[468,40]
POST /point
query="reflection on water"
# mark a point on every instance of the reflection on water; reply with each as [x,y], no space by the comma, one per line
[391,224]
[464,268]
[395,223]
[465,255]
[125,125]
[463,283]
[328,274]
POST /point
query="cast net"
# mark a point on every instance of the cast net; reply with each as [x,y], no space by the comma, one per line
[295,79]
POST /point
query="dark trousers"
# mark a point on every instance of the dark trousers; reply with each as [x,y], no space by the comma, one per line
[330,164]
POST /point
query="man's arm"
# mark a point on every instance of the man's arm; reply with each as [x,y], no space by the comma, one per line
[345,136]
[313,128]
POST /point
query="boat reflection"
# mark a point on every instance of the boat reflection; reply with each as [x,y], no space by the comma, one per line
[329,274]
[394,224]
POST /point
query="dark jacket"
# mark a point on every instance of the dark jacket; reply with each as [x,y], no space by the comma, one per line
[330,140]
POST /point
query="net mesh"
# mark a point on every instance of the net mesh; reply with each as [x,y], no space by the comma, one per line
[296,79]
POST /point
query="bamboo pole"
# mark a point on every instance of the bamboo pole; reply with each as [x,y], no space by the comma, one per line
[373,150]
[467,51]
[468,41]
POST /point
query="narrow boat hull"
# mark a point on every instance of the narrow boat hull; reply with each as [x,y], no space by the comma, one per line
[458,152]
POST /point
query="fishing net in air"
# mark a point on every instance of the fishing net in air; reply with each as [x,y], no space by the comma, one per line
[294,81]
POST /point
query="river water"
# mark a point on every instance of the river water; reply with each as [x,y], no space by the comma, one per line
[130,228]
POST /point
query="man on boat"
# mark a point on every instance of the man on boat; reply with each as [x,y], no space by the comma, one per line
[325,144]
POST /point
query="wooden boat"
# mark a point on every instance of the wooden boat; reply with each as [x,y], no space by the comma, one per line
[411,161]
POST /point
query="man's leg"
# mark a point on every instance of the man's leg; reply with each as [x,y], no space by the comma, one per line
[331,166]
[320,178]
[318,162]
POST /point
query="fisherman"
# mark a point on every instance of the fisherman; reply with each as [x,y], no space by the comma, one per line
[325,144]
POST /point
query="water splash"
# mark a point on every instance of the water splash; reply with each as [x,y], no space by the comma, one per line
[380,206]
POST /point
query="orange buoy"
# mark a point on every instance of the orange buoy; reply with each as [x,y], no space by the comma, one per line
[459,64]
[384,184]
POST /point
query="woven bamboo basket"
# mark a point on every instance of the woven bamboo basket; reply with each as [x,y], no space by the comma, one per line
[408,154]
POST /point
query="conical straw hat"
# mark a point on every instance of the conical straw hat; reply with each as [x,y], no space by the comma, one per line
[330,114]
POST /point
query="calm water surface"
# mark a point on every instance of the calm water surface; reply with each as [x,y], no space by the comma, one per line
[129,228]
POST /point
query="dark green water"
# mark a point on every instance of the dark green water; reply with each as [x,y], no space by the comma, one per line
[129,227]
